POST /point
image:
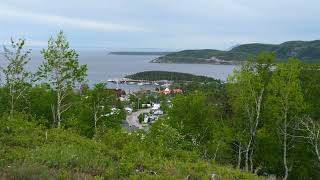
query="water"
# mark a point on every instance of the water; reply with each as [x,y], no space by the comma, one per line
[103,66]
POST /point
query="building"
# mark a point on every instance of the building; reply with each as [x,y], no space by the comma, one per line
[158,112]
[155,106]
[128,110]
[177,91]
[167,91]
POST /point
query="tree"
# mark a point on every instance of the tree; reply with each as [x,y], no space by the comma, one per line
[310,126]
[100,102]
[247,89]
[17,78]
[62,70]
[193,116]
[311,130]
[286,102]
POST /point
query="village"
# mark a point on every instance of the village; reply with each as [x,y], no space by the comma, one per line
[146,106]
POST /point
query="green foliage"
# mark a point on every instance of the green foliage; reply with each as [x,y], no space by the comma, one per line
[285,89]
[308,51]
[29,151]
[257,118]
[61,69]
[310,85]
[17,78]
[171,76]
[192,116]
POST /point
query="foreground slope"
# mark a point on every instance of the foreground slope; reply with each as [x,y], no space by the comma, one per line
[29,151]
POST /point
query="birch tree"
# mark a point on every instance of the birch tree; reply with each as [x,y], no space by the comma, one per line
[311,131]
[62,70]
[247,89]
[286,99]
[99,104]
[17,78]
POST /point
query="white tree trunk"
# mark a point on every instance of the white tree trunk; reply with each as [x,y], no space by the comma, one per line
[247,155]
[285,163]
[58,115]
[317,151]
[239,156]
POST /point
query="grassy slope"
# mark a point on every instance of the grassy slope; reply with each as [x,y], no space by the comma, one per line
[308,51]
[26,154]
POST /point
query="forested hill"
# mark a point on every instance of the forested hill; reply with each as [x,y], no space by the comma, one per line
[307,51]
[139,53]
[171,76]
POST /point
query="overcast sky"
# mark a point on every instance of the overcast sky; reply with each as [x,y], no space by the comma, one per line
[169,24]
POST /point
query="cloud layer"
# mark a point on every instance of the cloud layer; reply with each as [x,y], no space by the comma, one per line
[63,21]
[162,23]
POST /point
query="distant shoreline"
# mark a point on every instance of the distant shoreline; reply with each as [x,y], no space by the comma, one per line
[139,53]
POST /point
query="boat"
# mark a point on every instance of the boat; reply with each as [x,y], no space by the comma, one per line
[140,84]
[156,84]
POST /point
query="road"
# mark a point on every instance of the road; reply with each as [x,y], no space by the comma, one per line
[133,119]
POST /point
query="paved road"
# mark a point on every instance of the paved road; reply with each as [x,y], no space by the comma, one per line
[133,119]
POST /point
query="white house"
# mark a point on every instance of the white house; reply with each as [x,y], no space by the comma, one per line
[158,112]
[155,107]
[129,110]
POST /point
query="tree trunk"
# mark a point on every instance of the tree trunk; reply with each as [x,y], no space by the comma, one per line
[285,148]
[239,156]
[12,100]
[216,152]
[12,105]
[95,122]
[58,108]
[253,133]
[317,150]
[53,115]
[247,156]
[251,159]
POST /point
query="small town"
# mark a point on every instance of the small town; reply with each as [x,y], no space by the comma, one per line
[144,107]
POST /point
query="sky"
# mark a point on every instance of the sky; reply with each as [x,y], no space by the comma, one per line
[160,24]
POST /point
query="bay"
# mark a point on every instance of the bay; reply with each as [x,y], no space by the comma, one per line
[103,66]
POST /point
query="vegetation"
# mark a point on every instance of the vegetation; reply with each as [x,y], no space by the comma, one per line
[59,128]
[34,152]
[307,51]
[263,122]
[171,76]
[140,53]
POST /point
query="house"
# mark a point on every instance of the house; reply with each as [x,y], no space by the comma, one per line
[128,110]
[177,91]
[166,91]
[158,112]
[120,92]
[155,106]
[146,118]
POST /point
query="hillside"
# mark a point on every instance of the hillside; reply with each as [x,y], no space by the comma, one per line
[132,53]
[32,152]
[307,51]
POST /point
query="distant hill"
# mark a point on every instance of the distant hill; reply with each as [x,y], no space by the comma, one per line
[308,51]
[140,53]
